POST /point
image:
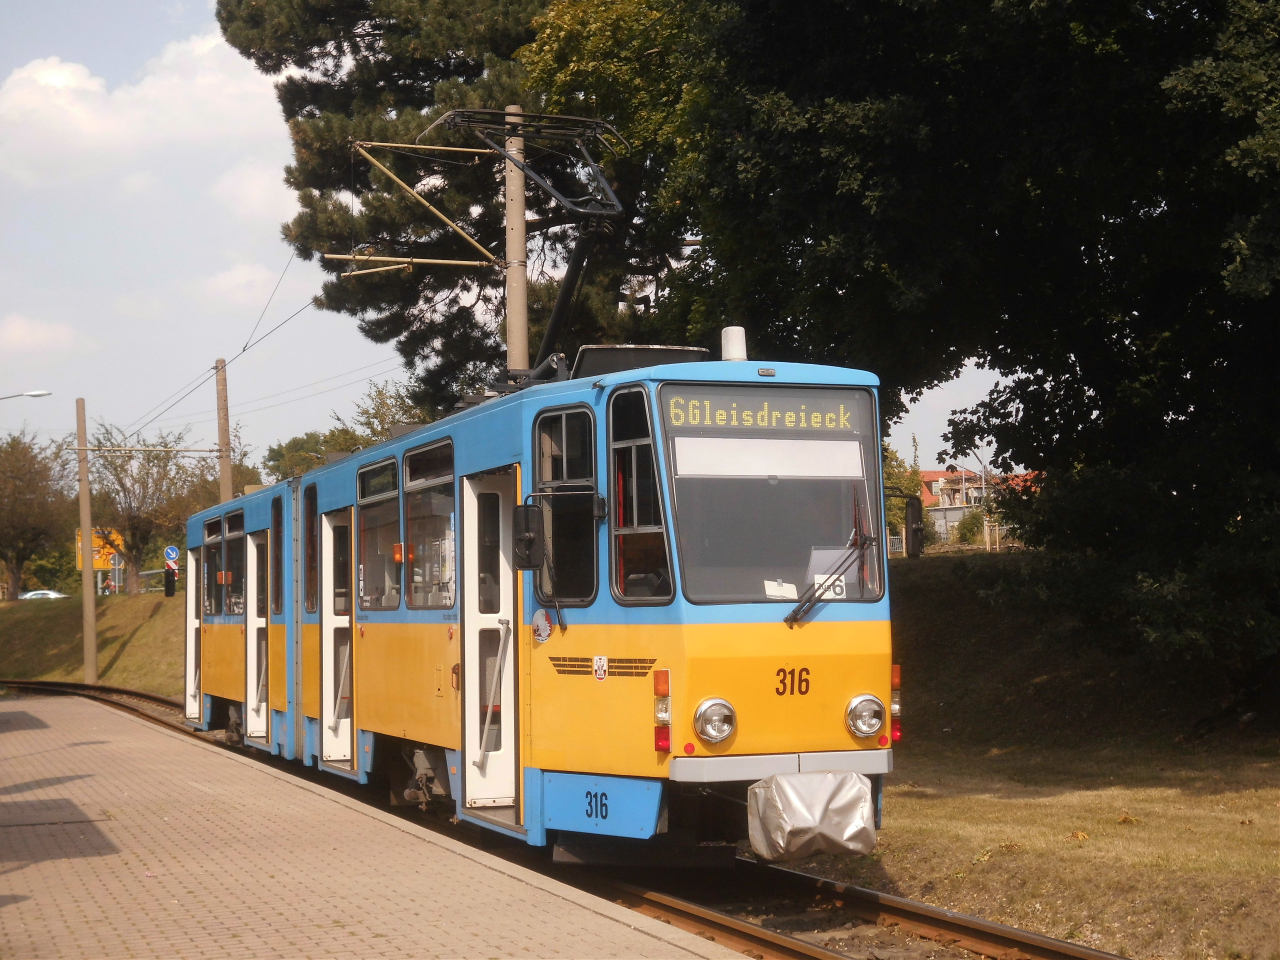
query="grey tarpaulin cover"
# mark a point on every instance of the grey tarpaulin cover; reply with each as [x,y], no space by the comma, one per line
[794,815]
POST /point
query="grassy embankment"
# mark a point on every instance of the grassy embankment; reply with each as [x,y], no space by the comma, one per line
[1039,784]
[139,641]
[1056,788]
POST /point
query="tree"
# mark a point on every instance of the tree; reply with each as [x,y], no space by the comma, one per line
[142,495]
[35,511]
[384,70]
[1082,196]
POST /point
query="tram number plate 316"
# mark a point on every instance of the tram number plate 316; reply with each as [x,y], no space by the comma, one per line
[792,682]
[597,805]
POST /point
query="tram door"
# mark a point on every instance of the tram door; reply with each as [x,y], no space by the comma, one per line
[336,618]
[489,642]
[256,711]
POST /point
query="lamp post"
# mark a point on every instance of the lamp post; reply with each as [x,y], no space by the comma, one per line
[29,393]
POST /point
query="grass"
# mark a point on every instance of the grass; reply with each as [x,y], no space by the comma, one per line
[1052,787]
[140,641]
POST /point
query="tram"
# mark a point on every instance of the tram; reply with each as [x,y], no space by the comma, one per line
[593,611]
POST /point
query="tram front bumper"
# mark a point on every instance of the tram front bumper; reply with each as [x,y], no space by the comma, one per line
[758,766]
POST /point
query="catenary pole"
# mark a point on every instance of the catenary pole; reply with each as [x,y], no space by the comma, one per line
[224,434]
[517,255]
[88,593]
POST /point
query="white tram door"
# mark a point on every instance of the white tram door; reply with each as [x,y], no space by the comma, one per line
[336,618]
[489,641]
[195,584]
[257,713]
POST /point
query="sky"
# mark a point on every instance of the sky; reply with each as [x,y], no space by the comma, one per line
[141,197]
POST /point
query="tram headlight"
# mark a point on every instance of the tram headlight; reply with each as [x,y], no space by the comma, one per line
[864,716]
[714,720]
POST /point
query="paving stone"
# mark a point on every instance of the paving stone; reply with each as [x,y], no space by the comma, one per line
[121,839]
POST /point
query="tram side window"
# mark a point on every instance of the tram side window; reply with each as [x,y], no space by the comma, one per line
[342,568]
[311,534]
[260,564]
[641,563]
[429,527]
[490,553]
[233,575]
[566,476]
[277,555]
[380,557]
[213,579]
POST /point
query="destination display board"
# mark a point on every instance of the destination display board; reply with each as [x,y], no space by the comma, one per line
[732,410]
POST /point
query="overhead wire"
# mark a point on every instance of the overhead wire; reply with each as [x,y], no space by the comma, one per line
[270,298]
[281,393]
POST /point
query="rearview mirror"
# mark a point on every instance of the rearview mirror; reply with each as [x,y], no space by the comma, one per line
[913,527]
[528,544]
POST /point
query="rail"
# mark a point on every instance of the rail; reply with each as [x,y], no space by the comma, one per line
[945,927]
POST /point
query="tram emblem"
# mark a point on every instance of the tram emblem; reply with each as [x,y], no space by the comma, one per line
[601,667]
[542,626]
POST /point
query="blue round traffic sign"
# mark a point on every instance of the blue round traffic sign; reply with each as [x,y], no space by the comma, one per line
[171,553]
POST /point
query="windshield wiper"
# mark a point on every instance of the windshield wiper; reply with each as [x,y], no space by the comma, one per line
[815,592]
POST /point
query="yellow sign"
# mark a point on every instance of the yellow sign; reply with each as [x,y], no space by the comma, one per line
[103,551]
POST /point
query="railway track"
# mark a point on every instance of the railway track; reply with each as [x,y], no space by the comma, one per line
[943,927]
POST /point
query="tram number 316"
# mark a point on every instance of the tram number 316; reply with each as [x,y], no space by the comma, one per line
[791,682]
[597,806]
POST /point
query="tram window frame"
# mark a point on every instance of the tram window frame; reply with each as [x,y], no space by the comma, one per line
[275,555]
[311,548]
[373,505]
[587,487]
[211,600]
[662,527]
[433,483]
[234,537]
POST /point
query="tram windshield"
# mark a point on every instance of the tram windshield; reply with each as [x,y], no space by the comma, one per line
[772,487]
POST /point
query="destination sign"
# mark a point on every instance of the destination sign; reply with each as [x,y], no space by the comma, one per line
[733,410]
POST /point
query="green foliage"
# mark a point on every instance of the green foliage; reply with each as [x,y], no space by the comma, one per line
[970,528]
[53,570]
[906,479]
[1084,198]
[35,511]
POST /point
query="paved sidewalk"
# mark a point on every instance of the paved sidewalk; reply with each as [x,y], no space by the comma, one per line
[120,839]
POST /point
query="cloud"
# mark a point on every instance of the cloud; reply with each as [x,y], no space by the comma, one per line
[19,334]
[59,122]
[244,285]
[255,191]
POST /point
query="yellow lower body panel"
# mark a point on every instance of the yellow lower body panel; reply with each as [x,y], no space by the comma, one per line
[277,666]
[311,670]
[404,682]
[222,660]
[789,689]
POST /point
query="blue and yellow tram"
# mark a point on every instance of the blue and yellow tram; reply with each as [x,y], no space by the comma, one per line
[596,607]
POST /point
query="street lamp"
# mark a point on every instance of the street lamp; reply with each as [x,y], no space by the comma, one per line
[29,393]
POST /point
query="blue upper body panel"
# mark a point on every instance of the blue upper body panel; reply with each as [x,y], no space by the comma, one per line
[499,432]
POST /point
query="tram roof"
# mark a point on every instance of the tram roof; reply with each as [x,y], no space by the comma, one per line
[520,406]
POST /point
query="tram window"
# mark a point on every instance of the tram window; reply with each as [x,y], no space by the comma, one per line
[641,562]
[490,552]
[312,548]
[379,571]
[233,574]
[342,570]
[429,527]
[213,579]
[261,564]
[566,474]
[277,555]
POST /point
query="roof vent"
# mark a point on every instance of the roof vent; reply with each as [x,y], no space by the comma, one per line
[733,343]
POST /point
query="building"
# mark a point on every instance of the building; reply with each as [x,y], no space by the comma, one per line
[947,495]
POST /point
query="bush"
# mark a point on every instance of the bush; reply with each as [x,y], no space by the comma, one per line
[969,529]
